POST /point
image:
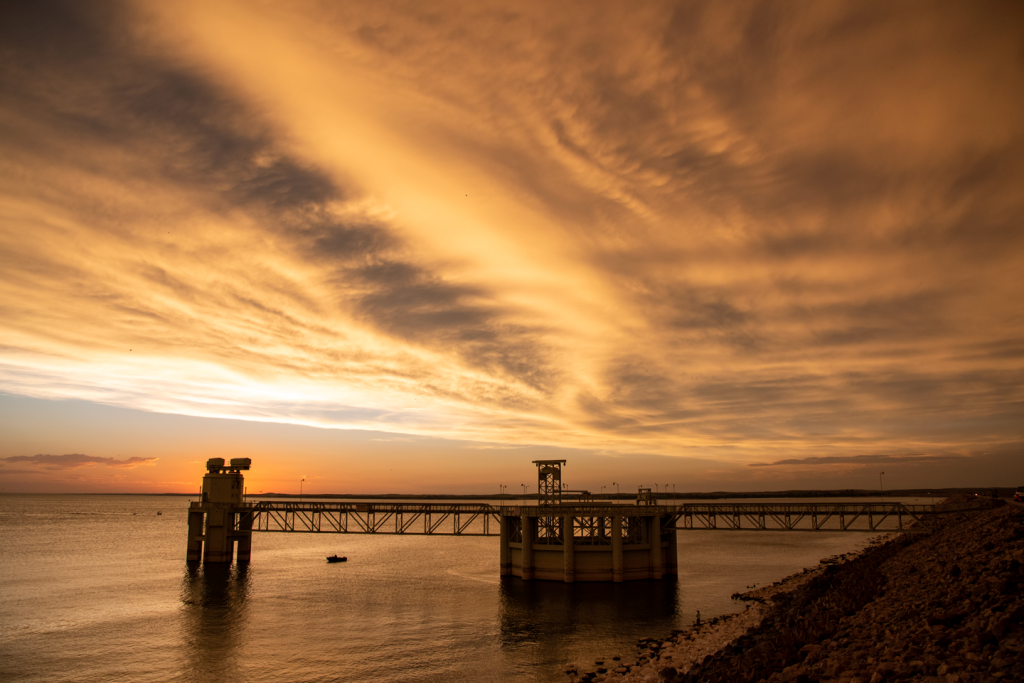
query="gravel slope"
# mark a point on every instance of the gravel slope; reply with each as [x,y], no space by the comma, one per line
[944,607]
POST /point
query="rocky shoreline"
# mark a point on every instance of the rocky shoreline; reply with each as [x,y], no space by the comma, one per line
[946,607]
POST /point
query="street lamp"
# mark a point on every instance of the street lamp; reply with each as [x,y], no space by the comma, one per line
[300,489]
[880,486]
[616,485]
[602,492]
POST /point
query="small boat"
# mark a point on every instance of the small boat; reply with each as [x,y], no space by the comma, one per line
[335,558]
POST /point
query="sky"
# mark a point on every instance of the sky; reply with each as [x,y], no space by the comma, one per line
[385,246]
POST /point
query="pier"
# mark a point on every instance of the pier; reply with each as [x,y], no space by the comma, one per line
[566,536]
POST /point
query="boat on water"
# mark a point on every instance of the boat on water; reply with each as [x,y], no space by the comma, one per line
[335,558]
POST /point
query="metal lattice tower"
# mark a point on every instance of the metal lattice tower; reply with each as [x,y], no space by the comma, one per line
[549,481]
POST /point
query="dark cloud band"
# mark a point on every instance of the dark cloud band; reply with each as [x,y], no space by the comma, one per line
[75,460]
[861,460]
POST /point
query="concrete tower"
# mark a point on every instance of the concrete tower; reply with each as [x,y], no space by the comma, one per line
[227,517]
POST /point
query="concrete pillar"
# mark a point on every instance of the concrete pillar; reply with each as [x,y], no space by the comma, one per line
[504,566]
[672,566]
[195,536]
[245,540]
[617,549]
[229,531]
[218,546]
[568,551]
[529,527]
[656,565]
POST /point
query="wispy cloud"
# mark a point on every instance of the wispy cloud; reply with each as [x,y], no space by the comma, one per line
[75,460]
[731,231]
[880,459]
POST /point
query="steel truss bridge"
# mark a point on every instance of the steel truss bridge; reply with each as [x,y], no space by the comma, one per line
[413,519]
[870,517]
[481,519]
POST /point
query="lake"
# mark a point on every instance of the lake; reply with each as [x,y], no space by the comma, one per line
[96,588]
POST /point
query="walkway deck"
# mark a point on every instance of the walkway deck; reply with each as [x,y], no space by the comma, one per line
[481,519]
[419,519]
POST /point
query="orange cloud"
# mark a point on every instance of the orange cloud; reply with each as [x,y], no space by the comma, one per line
[732,232]
[76,460]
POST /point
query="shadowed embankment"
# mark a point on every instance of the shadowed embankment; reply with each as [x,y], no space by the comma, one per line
[944,607]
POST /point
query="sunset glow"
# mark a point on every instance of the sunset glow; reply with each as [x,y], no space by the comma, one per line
[743,246]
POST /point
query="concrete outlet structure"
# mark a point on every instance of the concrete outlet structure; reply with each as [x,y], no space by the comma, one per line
[585,540]
[228,520]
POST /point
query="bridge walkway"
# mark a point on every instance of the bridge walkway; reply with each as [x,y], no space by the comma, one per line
[482,519]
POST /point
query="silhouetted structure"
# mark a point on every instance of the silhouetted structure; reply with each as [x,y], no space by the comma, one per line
[228,519]
[554,539]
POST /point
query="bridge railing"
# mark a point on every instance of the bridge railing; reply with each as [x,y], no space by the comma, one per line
[482,519]
[869,517]
[442,519]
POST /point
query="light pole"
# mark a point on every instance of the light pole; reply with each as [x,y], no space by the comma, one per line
[881,488]
[616,485]
[300,488]
[602,492]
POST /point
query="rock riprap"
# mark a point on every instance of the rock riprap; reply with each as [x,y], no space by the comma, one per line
[945,607]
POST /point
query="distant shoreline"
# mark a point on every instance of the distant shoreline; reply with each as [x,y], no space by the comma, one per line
[1001,492]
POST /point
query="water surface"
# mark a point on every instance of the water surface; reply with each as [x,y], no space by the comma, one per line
[96,588]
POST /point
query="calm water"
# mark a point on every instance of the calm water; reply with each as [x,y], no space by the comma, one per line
[96,588]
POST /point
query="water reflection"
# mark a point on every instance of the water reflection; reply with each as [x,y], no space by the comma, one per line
[214,617]
[571,623]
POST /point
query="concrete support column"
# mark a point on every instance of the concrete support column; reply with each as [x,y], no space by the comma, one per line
[245,541]
[218,546]
[656,559]
[229,531]
[568,550]
[195,536]
[617,549]
[529,529]
[672,566]
[504,567]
